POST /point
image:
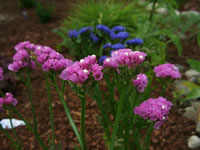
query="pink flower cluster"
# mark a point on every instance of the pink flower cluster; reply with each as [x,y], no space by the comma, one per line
[1,73]
[8,99]
[46,56]
[22,59]
[80,70]
[123,57]
[166,70]
[140,82]
[155,109]
[50,59]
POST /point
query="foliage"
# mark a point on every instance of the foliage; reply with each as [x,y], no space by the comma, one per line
[44,12]
[26,3]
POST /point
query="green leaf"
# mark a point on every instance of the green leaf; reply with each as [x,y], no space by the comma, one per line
[190,85]
[194,94]
[194,64]
[198,39]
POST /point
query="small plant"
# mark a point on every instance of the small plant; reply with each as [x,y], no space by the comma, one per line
[44,12]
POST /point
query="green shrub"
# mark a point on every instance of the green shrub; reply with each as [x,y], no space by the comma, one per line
[44,12]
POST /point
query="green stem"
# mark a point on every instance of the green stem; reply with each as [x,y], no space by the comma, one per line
[148,136]
[1,93]
[14,131]
[67,112]
[153,10]
[83,108]
[118,114]
[31,100]
[14,144]
[50,108]
[28,125]
[63,87]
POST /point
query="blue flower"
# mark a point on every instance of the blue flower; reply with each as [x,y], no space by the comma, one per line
[136,41]
[73,33]
[108,45]
[101,59]
[85,29]
[122,35]
[103,28]
[113,36]
[118,29]
[118,46]
[93,37]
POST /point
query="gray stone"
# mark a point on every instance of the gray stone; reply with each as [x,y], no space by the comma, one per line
[198,127]
[190,12]
[191,73]
[181,88]
[180,67]
[190,113]
[193,142]
[196,105]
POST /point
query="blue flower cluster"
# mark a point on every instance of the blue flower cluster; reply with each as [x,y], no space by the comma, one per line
[116,36]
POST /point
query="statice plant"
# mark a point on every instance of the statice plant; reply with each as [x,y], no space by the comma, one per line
[128,113]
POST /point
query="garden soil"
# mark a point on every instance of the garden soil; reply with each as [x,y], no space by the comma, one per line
[22,24]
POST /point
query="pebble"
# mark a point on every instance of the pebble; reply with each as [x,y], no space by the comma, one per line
[198,127]
[190,113]
[193,142]
[191,72]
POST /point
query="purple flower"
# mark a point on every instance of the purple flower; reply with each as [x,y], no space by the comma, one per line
[73,34]
[118,46]
[21,55]
[124,57]
[118,29]
[103,28]
[108,45]
[8,99]
[122,36]
[85,29]
[136,41]
[24,45]
[1,73]
[93,37]
[166,70]
[155,109]
[140,82]
[79,71]
[101,59]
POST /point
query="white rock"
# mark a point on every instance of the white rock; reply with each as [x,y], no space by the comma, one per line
[191,73]
[162,11]
[190,113]
[190,12]
[193,142]
[6,124]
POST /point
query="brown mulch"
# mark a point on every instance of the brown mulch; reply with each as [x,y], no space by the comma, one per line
[172,136]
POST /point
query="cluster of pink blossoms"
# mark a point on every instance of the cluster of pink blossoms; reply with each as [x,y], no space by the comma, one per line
[80,70]
[155,109]
[123,57]
[46,56]
[50,59]
[167,70]
[22,59]
[140,82]
[8,99]
[1,73]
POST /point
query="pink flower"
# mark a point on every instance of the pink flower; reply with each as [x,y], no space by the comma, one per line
[140,82]
[155,109]
[167,70]
[124,57]
[8,99]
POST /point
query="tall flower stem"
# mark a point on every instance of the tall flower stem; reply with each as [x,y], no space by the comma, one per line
[152,10]
[14,131]
[1,93]
[14,143]
[67,111]
[28,84]
[123,93]
[83,107]
[28,125]
[148,136]
[50,108]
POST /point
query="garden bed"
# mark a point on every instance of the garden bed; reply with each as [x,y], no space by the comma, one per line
[16,27]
